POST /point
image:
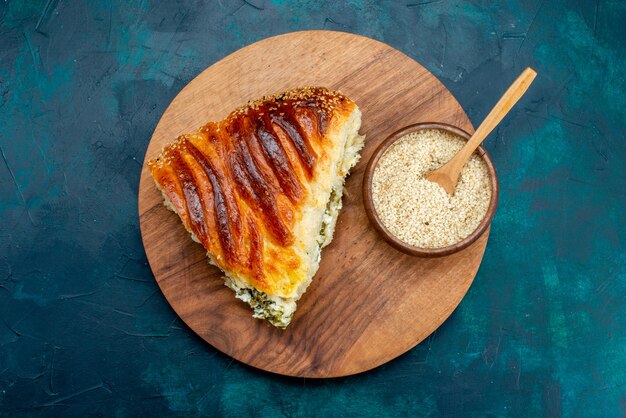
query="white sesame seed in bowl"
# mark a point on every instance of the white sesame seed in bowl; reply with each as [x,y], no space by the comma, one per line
[417,216]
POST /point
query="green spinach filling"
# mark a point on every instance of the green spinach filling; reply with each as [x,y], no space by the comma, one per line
[263,306]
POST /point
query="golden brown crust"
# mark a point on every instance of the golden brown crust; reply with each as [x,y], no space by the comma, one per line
[239,184]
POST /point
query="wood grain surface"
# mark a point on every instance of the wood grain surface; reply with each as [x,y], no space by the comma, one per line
[368,302]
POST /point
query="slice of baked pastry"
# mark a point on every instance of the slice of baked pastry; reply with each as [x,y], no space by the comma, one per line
[261,191]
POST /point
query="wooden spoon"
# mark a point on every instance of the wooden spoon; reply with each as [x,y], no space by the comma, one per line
[448,174]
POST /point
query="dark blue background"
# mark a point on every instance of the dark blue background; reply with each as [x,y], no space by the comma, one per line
[84,329]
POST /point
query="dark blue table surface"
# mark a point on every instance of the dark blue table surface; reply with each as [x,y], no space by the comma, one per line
[84,329]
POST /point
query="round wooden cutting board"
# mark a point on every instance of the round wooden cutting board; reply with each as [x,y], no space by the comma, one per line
[368,303]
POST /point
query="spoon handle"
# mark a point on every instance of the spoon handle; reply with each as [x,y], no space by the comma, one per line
[506,102]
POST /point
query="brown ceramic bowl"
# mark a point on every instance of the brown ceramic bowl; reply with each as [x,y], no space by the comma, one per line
[401,245]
